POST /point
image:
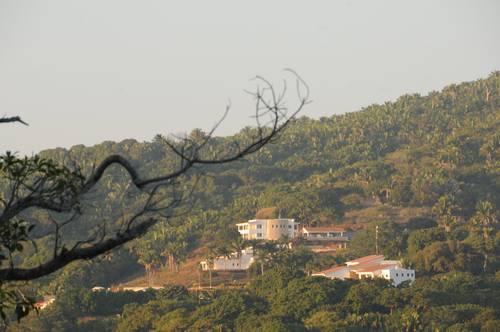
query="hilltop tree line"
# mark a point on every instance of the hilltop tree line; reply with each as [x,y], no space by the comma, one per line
[437,154]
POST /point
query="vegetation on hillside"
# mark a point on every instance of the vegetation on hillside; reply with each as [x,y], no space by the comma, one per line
[436,155]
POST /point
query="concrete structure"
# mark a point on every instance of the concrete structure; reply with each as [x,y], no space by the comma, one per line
[374,266]
[325,233]
[324,239]
[268,229]
[236,262]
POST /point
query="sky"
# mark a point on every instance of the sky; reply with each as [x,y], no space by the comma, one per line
[83,72]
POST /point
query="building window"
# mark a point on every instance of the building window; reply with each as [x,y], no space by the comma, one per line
[407,274]
[397,275]
[259,234]
[259,226]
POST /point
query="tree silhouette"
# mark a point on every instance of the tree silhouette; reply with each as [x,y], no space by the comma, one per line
[65,191]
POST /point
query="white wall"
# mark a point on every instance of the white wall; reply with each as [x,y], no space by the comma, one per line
[259,229]
[231,264]
[398,275]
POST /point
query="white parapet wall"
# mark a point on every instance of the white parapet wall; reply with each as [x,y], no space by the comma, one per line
[398,275]
[236,262]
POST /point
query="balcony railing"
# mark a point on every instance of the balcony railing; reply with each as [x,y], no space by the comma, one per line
[326,238]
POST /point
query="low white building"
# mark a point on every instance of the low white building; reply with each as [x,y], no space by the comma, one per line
[326,233]
[326,239]
[236,262]
[374,266]
[268,229]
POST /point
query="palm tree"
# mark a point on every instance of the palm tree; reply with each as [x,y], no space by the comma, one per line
[444,210]
[237,246]
[209,258]
[223,251]
[485,221]
[263,252]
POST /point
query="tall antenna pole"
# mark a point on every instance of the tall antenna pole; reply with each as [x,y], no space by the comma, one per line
[376,240]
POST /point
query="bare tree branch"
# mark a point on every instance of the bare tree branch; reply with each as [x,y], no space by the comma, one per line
[46,193]
[12,119]
[66,257]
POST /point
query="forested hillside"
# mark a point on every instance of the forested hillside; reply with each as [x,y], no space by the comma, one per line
[424,168]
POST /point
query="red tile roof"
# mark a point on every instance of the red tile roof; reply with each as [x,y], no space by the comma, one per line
[373,267]
[333,269]
[366,259]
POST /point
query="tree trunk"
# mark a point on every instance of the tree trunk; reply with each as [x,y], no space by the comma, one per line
[485,262]
[210,278]
[148,273]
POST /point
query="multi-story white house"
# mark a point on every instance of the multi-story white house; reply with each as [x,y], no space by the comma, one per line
[236,262]
[268,229]
[374,266]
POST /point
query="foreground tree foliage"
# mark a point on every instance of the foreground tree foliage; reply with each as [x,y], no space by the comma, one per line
[63,195]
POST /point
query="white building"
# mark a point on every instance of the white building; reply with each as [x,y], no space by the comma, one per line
[374,266]
[236,262]
[268,229]
[326,233]
[326,239]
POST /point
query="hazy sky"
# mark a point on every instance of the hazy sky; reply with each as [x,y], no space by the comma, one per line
[81,72]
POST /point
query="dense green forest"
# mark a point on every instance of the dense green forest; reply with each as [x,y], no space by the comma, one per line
[435,157]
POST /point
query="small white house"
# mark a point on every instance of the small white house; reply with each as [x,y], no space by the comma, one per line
[236,262]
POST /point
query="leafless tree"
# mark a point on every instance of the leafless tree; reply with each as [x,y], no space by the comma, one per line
[60,191]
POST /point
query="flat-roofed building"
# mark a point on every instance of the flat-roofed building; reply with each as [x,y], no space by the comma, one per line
[322,239]
[326,233]
[237,261]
